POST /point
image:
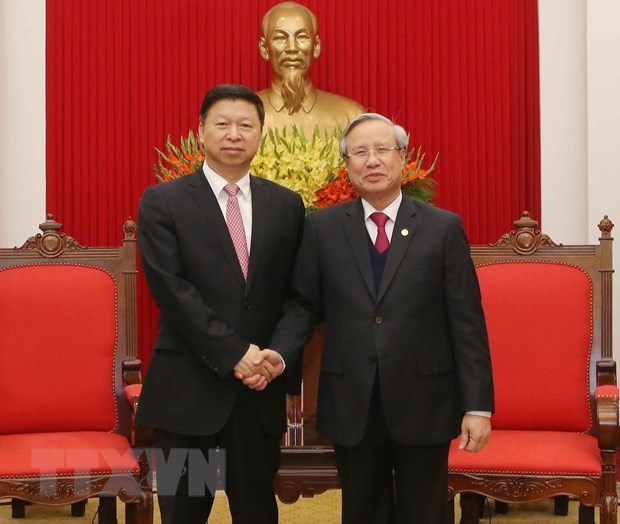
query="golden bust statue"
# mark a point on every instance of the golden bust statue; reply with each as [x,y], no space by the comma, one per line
[290,43]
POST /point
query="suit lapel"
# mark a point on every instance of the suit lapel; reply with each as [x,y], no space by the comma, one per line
[357,236]
[206,201]
[260,223]
[404,231]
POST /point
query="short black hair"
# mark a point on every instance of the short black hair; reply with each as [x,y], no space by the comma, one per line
[231,92]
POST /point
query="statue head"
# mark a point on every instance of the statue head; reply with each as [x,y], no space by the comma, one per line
[290,43]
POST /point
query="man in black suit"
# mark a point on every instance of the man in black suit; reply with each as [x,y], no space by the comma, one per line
[217,247]
[405,366]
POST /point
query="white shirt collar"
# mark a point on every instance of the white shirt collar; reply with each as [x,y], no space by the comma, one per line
[391,211]
[217,182]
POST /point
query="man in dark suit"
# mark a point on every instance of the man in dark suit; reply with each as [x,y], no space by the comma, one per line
[405,366]
[217,247]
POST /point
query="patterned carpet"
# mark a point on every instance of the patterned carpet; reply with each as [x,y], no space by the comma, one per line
[322,509]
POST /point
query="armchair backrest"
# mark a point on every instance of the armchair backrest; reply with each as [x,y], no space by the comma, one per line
[540,330]
[67,320]
[547,329]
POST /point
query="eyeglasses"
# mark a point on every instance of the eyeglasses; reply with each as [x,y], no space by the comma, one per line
[379,152]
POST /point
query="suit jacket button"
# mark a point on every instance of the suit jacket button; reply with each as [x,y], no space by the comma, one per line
[372,358]
[246,305]
[378,320]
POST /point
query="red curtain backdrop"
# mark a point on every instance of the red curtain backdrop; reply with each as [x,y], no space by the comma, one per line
[122,75]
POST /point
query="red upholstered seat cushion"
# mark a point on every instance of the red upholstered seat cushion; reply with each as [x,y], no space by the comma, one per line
[57,347]
[539,318]
[531,452]
[53,454]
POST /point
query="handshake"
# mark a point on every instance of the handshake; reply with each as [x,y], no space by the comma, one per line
[258,368]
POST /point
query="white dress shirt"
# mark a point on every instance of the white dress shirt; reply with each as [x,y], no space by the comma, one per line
[244,197]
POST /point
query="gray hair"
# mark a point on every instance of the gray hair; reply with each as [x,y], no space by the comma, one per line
[400,135]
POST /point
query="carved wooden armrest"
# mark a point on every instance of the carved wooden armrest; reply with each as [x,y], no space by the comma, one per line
[606,397]
[606,373]
[132,380]
[132,371]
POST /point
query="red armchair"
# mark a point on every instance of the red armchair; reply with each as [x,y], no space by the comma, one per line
[67,347]
[555,430]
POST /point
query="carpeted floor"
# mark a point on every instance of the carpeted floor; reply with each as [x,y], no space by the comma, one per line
[322,509]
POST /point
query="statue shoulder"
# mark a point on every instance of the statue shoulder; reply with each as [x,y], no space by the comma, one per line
[263,95]
[351,107]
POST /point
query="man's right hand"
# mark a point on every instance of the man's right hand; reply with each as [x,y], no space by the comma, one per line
[258,368]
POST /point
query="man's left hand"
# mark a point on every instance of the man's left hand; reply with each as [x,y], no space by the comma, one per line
[475,432]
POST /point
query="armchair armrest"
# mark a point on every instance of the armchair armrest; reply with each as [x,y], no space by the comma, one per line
[132,380]
[606,398]
[606,373]
[132,394]
[132,371]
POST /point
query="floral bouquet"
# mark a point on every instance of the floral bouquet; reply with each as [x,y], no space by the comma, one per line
[311,167]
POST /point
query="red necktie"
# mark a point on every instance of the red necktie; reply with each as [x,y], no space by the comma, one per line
[382,242]
[235,227]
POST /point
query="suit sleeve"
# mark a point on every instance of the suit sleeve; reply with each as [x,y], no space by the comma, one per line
[466,322]
[303,308]
[180,303]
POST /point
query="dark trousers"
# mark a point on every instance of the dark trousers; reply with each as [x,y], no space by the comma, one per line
[250,467]
[385,483]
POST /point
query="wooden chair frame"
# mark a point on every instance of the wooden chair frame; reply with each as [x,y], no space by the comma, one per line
[528,244]
[53,247]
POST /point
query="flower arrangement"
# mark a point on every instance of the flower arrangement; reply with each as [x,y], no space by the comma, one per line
[311,167]
[302,165]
